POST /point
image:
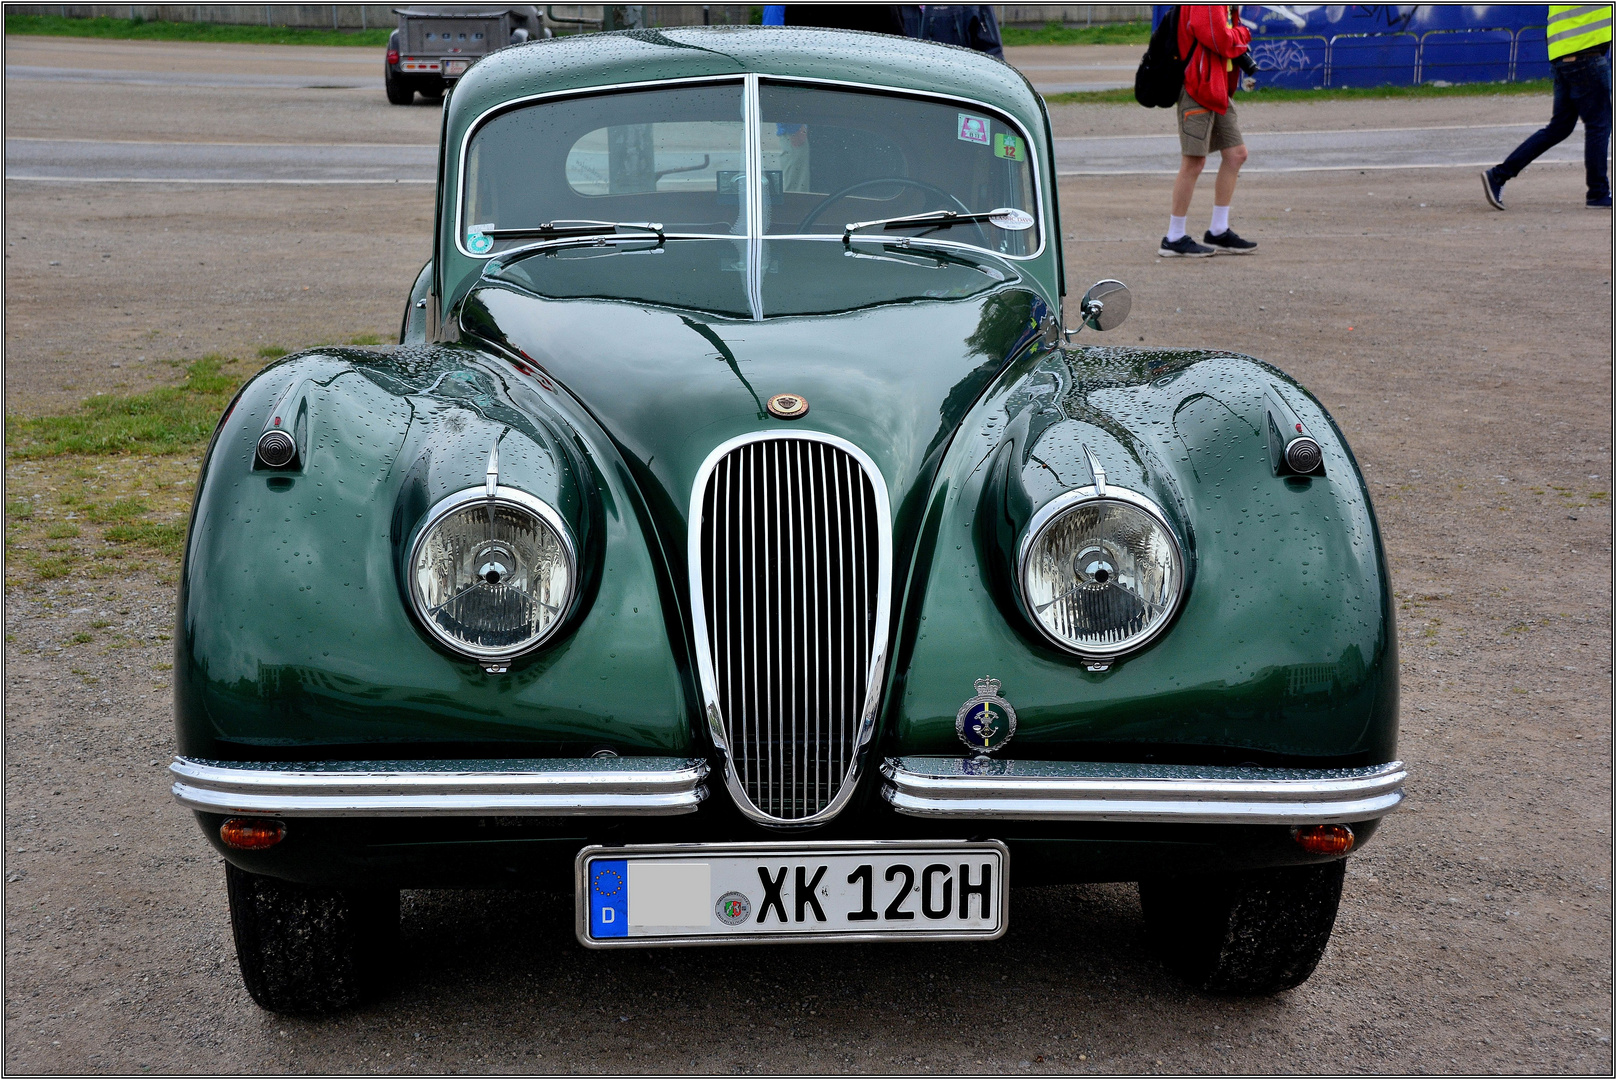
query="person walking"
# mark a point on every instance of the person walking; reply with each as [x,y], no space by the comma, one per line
[1212,38]
[1579,37]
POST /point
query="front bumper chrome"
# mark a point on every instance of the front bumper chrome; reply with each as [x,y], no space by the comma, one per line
[1089,791]
[549,787]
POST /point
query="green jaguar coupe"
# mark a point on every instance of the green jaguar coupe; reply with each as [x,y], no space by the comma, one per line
[737,537]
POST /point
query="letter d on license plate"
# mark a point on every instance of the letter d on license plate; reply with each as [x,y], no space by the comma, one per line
[695,894]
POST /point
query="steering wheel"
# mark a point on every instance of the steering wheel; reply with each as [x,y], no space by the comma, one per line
[903,181]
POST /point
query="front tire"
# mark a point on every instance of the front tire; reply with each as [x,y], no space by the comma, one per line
[309,950]
[1255,932]
[399,92]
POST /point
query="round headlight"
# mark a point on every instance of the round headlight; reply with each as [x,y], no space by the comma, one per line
[492,577]
[1101,575]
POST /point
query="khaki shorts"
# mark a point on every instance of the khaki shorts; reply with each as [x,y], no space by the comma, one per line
[1201,131]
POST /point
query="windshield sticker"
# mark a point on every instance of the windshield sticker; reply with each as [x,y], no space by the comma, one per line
[972,129]
[1009,147]
[478,243]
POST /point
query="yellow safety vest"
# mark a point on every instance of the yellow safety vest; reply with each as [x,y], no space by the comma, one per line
[1575,27]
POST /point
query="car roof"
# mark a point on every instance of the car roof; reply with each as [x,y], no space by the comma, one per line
[582,61]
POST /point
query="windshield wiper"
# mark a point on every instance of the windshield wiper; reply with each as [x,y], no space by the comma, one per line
[572,227]
[1004,218]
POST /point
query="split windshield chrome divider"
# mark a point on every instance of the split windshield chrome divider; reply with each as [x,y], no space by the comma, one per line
[757,194]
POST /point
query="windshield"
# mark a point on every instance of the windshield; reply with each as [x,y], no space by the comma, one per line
[678,156]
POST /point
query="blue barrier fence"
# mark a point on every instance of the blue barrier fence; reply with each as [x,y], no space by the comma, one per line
[1306,47]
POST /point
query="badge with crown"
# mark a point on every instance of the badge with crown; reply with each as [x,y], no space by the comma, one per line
[987,721]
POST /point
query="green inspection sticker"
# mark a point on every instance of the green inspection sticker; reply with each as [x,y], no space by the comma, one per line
[1010,147]
[478,243]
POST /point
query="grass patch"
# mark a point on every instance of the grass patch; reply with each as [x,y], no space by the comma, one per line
[46,567]
[157,30]
[168,420]
[165,538]
[65,530]
[116,511]
[19,510]
[1053,33]
[366,339]
[271,352]
[1338,93]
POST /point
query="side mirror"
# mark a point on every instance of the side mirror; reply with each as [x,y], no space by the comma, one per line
[1106,305]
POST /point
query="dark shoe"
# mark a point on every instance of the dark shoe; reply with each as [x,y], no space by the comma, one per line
[1493,190]
[1599,204]
[1227,243]
[1183,248]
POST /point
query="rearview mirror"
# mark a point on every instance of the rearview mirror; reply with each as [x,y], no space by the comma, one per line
[1106,305]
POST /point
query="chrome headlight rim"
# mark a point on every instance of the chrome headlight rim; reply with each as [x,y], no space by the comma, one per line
[508,496]
[1053,511]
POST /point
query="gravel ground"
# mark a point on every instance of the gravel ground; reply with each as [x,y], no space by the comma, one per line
[1467,355]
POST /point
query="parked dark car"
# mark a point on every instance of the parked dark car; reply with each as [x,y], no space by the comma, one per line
[435,44]
[735,535]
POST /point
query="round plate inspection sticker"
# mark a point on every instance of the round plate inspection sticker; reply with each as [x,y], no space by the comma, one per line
[478,243]
[733,908]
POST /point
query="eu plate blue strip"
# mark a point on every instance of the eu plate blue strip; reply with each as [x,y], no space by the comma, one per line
[609,898]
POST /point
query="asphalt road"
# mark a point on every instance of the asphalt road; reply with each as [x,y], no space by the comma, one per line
[1469,145]
[248,67]
[1465,354]
[1052,69]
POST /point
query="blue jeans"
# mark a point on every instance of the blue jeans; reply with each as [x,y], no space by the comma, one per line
[1582,90]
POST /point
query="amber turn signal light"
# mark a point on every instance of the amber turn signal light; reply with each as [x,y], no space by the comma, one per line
[1324,839]
[251,833]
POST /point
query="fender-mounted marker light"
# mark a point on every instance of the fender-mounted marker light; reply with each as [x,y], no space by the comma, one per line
[252,833]
[1324,839]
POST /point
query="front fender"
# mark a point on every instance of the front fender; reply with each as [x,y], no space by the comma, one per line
[1283,651]
[296,637]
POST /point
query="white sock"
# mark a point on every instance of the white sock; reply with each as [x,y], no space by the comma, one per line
[1221,220]
[1176,228]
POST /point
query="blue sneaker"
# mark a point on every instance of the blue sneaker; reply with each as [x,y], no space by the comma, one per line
[1183,248]
[1599,204]
[1228,243]
[1493,190]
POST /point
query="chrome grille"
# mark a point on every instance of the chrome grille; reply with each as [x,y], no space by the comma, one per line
[791,569]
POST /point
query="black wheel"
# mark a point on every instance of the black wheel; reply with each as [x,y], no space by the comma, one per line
[1255,932]
[399,92]
[902,181]
[309,950]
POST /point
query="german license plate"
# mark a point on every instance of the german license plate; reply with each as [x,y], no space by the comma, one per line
[454,67]
[715,894]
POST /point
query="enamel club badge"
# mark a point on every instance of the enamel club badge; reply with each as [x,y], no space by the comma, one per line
[987,721]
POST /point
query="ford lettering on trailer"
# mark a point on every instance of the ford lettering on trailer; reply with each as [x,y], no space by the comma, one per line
[742,531]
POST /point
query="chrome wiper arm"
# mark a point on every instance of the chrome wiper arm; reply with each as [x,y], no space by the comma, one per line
[941,219]
[1005,217]
[573,227]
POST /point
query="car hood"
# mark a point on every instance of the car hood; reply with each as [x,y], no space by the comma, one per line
[676,348]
